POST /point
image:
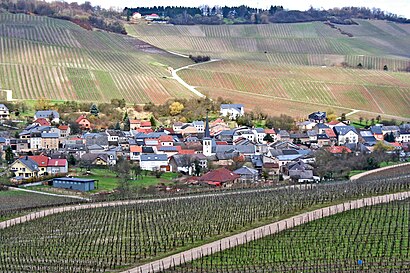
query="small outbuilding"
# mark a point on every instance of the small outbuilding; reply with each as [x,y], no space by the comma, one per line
[78,184]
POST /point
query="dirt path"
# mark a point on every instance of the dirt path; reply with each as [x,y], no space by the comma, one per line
[360,175]
[184,83]
[50,194]
[261,232]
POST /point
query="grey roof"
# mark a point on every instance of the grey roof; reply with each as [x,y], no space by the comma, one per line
[343,130]
[390,128]
[30,163]
[322,126]
[229,106]
[260,130]
[311,133]
[92,157]
[366,133]
[322,136]
[70,179]
[284,133]
[46,114]
[2,106]
[154,157]
[301,174]
[245,149]
[49,135]
[246,171]
[168,149]
[95,147]
[198,123]
[147,150]
[376,130]
[318,115]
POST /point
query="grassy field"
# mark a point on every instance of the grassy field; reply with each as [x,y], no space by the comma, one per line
[108,180]
[55,59]
[372,239]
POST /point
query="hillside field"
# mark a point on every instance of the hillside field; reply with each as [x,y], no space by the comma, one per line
[297,68]
[55,59]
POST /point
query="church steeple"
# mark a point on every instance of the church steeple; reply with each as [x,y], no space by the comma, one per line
[207,133]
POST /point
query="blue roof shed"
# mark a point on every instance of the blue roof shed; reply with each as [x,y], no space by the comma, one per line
[78,184]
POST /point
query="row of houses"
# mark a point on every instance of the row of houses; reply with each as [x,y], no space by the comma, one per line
[190,148]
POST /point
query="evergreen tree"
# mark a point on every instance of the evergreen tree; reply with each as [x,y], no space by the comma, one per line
[153,121]
[9,155]
[94,110]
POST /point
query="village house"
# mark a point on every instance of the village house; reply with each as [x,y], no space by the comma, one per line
[42,122]
[42,163]
[219,177]
[57,166]
[25,168]
[152,162]
[51,115]
[64,131]
[247,175]
[4,112]
[135,152]
[346,134]
[232,111]
[50,141]
[185,163]
[83,122]
[317,117]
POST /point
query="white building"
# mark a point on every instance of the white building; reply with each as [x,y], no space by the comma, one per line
[4,112]
[346,134]
[153,162]
[232,110]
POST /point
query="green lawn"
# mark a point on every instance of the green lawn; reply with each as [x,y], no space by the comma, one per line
[108,180]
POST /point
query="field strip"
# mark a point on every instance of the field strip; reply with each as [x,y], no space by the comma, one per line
[375,101]
[360,175]
[314,103]
[258,233]
[51,211]
[50,194]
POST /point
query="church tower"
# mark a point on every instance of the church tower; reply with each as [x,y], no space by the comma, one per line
[207,140]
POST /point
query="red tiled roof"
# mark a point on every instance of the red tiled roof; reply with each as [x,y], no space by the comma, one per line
[41,160]
[333,122]
[330,133]
[339,150]
[63,127]
[219,175]
[146,124]
[270,131]
[57,162]
[135,149]
[145,131]
[221,143]
[42,122]
[135,121]
[186,152]
[80,118]
[166,138]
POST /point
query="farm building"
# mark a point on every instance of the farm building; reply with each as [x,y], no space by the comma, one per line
[78,184]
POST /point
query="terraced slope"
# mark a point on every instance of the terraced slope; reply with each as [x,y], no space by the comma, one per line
[299,89]
[297,68]
[375,43]
[43,57]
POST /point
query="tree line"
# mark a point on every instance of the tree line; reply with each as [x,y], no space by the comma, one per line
[84,15]
[275,14]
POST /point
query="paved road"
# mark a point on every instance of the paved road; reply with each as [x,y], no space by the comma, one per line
[360,175]
[51,211]
[258,233]
[50,194]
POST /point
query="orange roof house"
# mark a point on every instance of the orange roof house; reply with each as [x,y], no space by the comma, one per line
[42,122]
[84,123]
